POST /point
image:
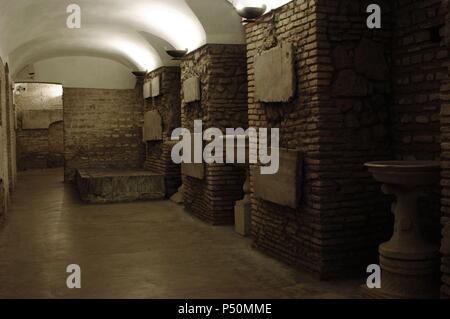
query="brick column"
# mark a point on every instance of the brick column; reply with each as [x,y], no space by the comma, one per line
[168,104]
[222,73]
[445,158]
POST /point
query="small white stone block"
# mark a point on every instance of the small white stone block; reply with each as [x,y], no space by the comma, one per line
[40,119]
[156,86]
[147,90]
[242,218]
[152,130]
[274,74]
[191,90]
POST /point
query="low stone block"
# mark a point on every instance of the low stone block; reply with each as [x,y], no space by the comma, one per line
[152,130]
[274,74]
[242,218]
[284,187]
[191,90]
[111,186]
[193,170]
[156,86]
[40,119]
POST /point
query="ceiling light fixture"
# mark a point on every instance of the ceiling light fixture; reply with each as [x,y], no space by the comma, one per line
[177,54]
[140,75]
[250,14]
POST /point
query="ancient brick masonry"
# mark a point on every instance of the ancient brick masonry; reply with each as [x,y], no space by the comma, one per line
[445,158]
[222,73]
[102,129]
[418,71]
[158,153]
[339,120]
[7,141]
[34,144]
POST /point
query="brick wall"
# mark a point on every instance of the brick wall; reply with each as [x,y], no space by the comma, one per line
[339,120]
[418,71]
[158,154]
[12,145]
[445,158]
[33,151]
[221,69]
[7,169]
[102,129]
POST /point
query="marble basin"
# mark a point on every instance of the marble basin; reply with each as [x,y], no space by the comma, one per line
[406,173]
[410,263]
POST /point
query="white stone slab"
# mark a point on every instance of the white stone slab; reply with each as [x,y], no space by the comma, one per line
[156,86]
[40,119]
[152,130]
[147,90]
[274,74]
[191,90]
[284,187]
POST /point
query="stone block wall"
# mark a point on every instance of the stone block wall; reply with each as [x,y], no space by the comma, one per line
[33,145]
[102,129]
[158,153]
[222,73]
[339,120]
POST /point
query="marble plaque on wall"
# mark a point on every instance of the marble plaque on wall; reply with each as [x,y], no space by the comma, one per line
[40,119]
[191,90]
[193,170]
[152,130]
[156,86]
[284,187]
[275,74]
[147,90]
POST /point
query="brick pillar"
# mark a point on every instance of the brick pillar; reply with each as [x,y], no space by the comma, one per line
[168,104]
[223,104]
[445,158]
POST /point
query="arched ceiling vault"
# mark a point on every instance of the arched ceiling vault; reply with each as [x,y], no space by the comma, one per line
[133,33]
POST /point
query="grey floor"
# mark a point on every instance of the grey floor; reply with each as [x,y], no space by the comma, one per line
[136,250]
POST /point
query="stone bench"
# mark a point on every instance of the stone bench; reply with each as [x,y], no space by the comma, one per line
[115,186]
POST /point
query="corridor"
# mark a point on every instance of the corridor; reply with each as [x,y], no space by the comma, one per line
[135,250]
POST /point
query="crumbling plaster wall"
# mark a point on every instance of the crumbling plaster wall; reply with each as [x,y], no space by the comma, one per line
[33,145]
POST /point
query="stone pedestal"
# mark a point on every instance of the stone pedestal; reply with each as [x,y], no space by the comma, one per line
[409,263]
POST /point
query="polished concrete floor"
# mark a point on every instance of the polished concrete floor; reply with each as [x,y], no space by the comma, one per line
[135,250]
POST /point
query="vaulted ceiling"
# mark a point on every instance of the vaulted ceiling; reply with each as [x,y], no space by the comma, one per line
[134,33]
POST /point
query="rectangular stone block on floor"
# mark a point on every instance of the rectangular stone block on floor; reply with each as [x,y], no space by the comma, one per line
[100,186]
